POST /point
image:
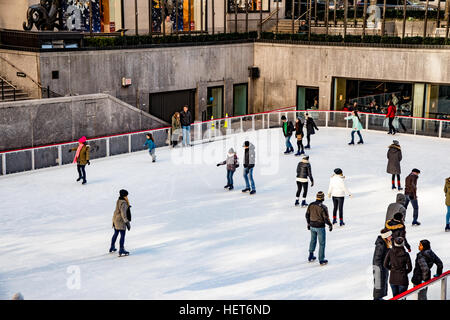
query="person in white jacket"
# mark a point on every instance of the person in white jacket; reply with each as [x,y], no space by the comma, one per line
[337,190]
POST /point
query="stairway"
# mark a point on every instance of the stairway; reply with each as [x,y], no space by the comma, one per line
[10,92]
[285,26]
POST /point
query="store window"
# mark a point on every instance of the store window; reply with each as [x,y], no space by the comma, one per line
[253,5]
[438,102]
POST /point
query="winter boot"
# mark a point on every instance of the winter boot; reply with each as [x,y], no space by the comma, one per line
[292,149]
[308,147]
[79,178]
[298,153]
[246,189]
[253,192]
[311,257]
[350,143]
[84,182]
[226,186]
[323,262]
[393,185]
[416,223]
[112,249]
[296,202]
[447,227]
[123,252]
[302,152]
[304,204]
[287,151]
[399,187]
[334,220]
[231,187]
[360,142]
[341,223]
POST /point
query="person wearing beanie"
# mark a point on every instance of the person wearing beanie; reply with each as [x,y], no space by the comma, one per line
[397,226]
[380,273]
[447,203]
[121,222]
[397,206]
[299,135]
[232,163]
[310,126]
[81,158]
[303,173]
[150,143]
[356,127]
[316,219]
[288,128]
[398,262]
[394,156]
[337,191]
[249,164]
[411,194]
[422,269]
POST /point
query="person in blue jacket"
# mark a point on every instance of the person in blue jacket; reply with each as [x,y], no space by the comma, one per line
[356,127]
[150,143]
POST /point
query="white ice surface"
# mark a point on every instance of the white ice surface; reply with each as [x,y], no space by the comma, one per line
[191,239]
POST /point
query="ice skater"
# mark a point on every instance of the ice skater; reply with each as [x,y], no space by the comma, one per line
[356,127]
[81,158]
[288,128]
[232,163]
[150,143]
[380,273]
[398,262]
[121,222]
[303,173]
[299,135]
[390,115]
[447,203]
[249,164]
[310,126]
[411,194]
[394,156]
[337,191]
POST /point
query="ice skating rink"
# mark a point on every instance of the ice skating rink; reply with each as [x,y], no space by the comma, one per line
[191,239]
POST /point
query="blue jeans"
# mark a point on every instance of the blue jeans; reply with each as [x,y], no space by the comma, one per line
[249,172]
[415,205]
[318,232]
[359,134]
[447,218]
[186,135]
[396,290]
[230,177]
[114,238]
[288,143]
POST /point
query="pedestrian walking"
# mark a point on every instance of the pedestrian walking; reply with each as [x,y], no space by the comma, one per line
[394,156]
[121,222]
[186,121]
[356,127]
[380,273]
[337,191]
[411,194]
[249,164]
[447,203]
[303,173]
[398,262]
[316,219]
[310,127]
[81,158]
[232,163]
[299,135]
[288,128]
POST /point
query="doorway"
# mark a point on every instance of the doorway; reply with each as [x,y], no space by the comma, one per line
[307,98]
[164,104]
[240,99]
[214,108]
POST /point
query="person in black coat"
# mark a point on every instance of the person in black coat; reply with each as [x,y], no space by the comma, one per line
[310,126]
[397,226]
[380,273]
[299,136]
[303,173]
[424,262]
[399,263]
[186,120]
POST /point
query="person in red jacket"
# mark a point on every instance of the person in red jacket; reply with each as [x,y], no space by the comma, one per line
[391,115]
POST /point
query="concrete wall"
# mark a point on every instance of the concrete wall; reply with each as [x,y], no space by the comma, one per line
[47,121]
[285,66]
[150,70]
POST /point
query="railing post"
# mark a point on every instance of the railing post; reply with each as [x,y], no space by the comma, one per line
[4,164]
[242,128]
[253,123]
[129,143]
[107,147]
[32,159]
[444,288]
[367,121]
[60,155]
[48,91]
[14,93]
[3,90]
[415,126]
[346,121]
[440,129]
[326,119]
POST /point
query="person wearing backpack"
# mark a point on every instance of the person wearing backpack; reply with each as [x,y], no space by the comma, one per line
[121,222]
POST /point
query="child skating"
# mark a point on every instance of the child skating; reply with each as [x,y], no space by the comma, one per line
[150,143]
[232,163]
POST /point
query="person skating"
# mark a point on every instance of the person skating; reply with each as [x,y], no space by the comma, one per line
[176,129]
[303,173]
[356,127]
[81,158]
[232,163]
[310,126]
[299,136]
[150,143]
[397,226]
[249,164]
[391,116]
[337,191]
[186,120]
[380,273]
[121,222]
[288,128]
[316,219]
[447,203]
[411,194]
[397,206]
[398,262]
[422,269]
[394,156]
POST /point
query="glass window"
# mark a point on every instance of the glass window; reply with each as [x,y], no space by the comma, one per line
[253,5]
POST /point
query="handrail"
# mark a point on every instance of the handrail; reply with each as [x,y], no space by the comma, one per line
[421,286]
[269,16]
[303,14]
[3,79]
[36,82]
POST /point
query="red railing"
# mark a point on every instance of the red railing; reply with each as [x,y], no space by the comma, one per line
[426,284]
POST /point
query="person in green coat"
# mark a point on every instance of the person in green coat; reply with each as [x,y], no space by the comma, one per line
[356,127]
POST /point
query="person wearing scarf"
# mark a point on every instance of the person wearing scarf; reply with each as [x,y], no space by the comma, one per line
[81,158]
[121,222]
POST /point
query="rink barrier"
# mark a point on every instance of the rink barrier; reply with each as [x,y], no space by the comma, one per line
[441,293]
[27,159]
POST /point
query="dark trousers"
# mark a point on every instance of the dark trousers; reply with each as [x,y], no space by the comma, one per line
[398,179]
[415,206]
[300,145]
[308,138]
[114,238]
[396,290]
[230,177]
[391,126]
[359,134]
[81,171]
[301,185]
[338,203]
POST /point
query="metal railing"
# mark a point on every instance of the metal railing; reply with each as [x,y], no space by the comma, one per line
[2,86]
[434,289]
[56,155]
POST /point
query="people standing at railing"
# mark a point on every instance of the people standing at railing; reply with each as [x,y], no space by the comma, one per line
[394,156]
[81,158]
[299,136]
[310,126]
[396,207]
[249,164]
[447,203]
[380,273]
[287,128]
[398,262]
[176,128]
[303,173]
[232,163]
[397,226]
[425,260]
[150,143]
[121,222]
[390,115]
[411,194]
[356,127]
[186,121]
[337,191]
